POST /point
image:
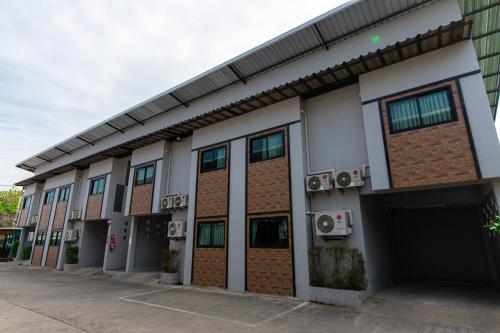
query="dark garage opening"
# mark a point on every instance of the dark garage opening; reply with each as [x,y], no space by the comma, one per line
[440,243]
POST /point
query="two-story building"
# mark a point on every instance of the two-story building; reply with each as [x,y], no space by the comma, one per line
[352,151]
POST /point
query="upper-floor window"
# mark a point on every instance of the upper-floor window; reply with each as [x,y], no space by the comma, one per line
[97,186]
[269,232]
[26,202]
[211,234]
[55,238]
[49,197]
[213,159]
[144,175]
[64,194]
[423,110]
[40,238]
[267,147]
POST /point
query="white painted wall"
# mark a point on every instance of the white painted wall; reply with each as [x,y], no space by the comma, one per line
[426,69]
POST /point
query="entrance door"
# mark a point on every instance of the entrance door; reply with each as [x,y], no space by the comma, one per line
[439,243]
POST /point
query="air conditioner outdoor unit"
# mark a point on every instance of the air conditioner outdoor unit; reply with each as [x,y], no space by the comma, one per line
[72,235]
[167,202]
[320,182]
[75,215]
[31,236]
[181,200]
[177,229]
[33,220]
[337,223]
[348,178]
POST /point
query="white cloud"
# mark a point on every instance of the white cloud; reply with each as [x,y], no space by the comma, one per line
[65,66]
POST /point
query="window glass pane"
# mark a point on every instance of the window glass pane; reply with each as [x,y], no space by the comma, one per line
[435,108]
[208,160]
[258,149]
[140,175]
[214,159]
[220,158]
[94,187]
[100,188]
[275,145]
[204,230]
[149,174]
[404,114]
[269,233]
[218,234]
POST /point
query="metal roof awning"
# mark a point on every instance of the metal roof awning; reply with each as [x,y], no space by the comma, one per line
[486,37]
[309,86]
[322,32]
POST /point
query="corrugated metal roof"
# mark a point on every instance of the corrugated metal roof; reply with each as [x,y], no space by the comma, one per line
[308,86]
[486,36]
[321,32]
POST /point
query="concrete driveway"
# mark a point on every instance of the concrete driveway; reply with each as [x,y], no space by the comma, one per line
[35,300]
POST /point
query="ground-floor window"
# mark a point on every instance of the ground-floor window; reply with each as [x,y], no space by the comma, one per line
[211,234]
[55,238]
[40,238]
[269,232]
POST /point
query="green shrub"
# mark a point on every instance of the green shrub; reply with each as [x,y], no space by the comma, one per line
[71,256]
[26,252]
[170,261]
[494,225]
[13,249]
[337,267]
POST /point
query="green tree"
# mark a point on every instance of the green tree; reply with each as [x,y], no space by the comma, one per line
[9,201]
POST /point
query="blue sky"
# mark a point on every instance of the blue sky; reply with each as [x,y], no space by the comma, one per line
[66,65]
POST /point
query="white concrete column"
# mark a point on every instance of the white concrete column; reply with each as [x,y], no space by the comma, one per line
[188,254]
[236,230]
[132,240]
[301,231]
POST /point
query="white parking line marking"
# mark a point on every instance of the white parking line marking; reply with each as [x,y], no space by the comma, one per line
[128,299]
[282,314]
[151,292]
[187,312]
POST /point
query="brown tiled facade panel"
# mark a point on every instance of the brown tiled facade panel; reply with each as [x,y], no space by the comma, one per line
[433,155]
[52,256]
[268,182]
[24,217]
[44,218]
[60,215]
[270,271]
[211,196]
[37,255]
[142,196]
[209,268]
[94,205]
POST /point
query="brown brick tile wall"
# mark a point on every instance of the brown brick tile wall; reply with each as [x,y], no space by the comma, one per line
[94,205]
[211,196]
[24,217]
[44,217]
[142,196]
[60,215]
[433,155]
[268,182]
[209,264]
[52,256]
[37,255]
[270,271]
